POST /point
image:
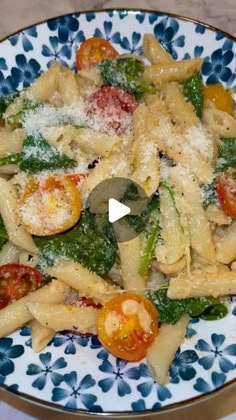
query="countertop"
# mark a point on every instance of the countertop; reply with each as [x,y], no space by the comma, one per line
[18,14]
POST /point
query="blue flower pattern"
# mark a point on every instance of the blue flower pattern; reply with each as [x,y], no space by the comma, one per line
[46,370]
[162,392]
[75,393]
[165,31]
[119,375]
[209,361]
[181,367]
[8,351]
[26,71]
[215,352]
[217,380]
[24,36]
[71,342]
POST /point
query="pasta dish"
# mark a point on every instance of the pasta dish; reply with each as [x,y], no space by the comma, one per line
[147,118]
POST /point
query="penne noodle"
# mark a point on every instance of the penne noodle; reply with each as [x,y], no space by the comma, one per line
[60,317]
[226,246]
[16,314]
[176,71]
[9,254]
[154,52]
[41,335]
[8,209]
[202,283]
[162,352]
[86,282]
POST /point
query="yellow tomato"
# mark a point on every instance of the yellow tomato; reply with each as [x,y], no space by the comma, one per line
[222,98]
[49,205]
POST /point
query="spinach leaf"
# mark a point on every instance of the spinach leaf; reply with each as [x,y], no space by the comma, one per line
[226,154]
[171,310]
[209,194]
[82,244]
[38,155]
[150,237]
[17,118]
[193,92]
[126,74]
[13,159]
[5,101]
[3,233]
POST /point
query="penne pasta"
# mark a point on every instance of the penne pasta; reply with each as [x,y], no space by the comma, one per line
[8,209]
[60,317]
[40,335]
[175,71]
[154,52]
[202,283]
[17,314]
[87,283]
[9,254]
[162,351]
[226,246]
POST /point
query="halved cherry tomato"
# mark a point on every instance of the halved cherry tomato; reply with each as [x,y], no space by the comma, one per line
[49,205]
[222,98]
[16,281]
[111,109]
[127,326]
[92,51]
[226,190]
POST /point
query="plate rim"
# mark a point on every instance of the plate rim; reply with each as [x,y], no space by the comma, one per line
[117,414]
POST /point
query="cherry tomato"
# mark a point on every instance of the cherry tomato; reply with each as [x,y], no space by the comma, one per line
[16,281]
[111,109]
[127,326]
[226,190]
[92,51]
[222,98]
[49,205]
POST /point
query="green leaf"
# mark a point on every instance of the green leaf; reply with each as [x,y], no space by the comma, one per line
[3,233]
[17,118]
[150,237]
[13,159]
[226,154]
[82,244]
[209,194]
[171,310]
[125,73]
[193,92]
[5,101]
[39,155]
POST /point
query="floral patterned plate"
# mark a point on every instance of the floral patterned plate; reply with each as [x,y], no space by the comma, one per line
[76,373]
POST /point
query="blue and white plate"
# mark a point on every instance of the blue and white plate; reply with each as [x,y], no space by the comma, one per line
[73,372]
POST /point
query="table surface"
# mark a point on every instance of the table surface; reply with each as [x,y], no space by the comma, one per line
[18,14]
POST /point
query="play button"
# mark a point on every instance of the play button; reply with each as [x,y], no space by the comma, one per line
[125,204]
[116,210]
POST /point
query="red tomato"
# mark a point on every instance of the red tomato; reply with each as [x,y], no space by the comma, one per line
[16,281]
[226,190]
[49,205]
[92,51]
[111,109]
[127,326]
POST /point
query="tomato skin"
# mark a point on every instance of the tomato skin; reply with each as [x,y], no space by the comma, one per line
[42,201]
[92,51]
[222,98]
[121,329]
[226,191]
[16,281]
[113,107]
